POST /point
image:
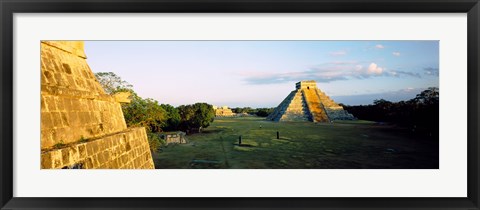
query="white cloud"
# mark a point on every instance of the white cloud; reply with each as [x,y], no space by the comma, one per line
[396,53]
[431,71]
[374,69]
[331,71]
[379,46]
[397,73]
[358,67]
[338,53]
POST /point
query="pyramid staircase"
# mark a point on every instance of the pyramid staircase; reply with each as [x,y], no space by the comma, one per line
[315,105]
[308,103]
[292,108]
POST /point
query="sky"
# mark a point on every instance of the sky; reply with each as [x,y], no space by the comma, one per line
[262,73]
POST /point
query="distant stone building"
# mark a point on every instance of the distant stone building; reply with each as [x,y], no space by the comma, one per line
[175,137]
[308,103]
[223,111]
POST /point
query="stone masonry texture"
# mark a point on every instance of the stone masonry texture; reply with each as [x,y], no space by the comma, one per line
[82,126]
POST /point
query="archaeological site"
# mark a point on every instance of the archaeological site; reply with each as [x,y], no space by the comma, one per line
[82,127]
[98,120]
[308,103]
[223,111]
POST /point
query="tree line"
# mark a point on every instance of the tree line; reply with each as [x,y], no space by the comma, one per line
[261,112]
[156,117]
[420,114]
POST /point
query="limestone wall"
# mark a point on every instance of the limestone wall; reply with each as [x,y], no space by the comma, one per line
[74,106]
[125,150]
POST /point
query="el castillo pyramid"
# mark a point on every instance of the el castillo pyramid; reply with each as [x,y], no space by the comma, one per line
[308,103]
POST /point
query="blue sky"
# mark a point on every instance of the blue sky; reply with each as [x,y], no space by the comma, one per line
[262,73]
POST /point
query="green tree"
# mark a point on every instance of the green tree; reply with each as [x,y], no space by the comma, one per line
[195,117]
[240,110]
[155,142]
[264,112]
[173,117]
[383,104]
[204,115]
[145,112]
[420,114]
[428,96]
[112,83]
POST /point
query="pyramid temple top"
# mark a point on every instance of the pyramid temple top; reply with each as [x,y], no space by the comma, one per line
[307,84]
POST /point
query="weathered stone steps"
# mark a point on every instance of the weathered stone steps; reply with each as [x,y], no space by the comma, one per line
[315,106]
[308,103]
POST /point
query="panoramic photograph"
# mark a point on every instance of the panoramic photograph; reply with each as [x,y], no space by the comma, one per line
[303,104]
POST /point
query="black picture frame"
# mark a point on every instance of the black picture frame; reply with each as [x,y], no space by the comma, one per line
[10,7]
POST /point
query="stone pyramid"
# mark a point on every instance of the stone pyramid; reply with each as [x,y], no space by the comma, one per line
[223,111]
[308,103]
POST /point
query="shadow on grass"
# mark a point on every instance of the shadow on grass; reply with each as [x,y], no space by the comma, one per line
[210,131]
[244,145]
[205,164]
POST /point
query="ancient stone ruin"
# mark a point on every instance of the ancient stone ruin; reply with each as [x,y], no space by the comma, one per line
[174,137]
[82,126]
[223,111]
[308,103]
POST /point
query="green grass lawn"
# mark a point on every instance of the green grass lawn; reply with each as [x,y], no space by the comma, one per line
[302,145]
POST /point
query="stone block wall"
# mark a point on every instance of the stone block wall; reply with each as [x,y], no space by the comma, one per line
[74,106]
[67,120]
[124,150]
